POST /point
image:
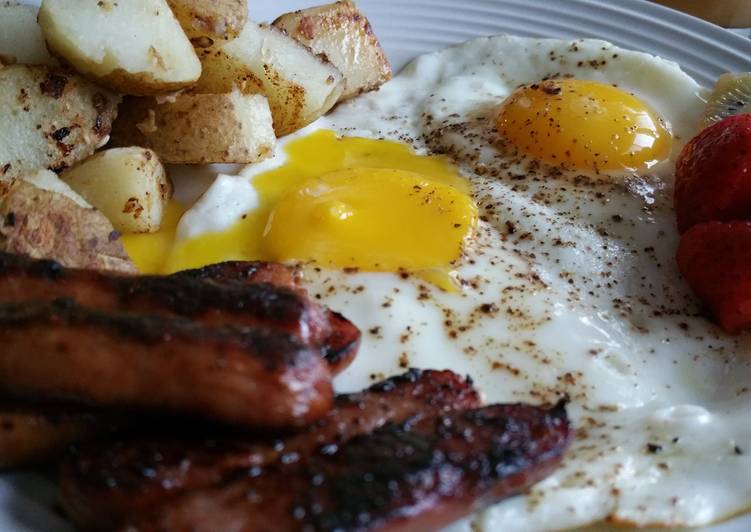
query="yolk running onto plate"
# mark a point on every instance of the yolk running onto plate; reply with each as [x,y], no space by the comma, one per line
[360,203]
[151,251]
[584,125]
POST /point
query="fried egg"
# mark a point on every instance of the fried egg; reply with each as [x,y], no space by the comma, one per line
[503,209]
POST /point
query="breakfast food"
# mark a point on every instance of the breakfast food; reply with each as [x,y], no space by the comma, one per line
[199,128]
[343,35]
[104,484]
[299,85]
[731,96]
[714,259]
[272,344]
[219,372]
[39,222]
[98,40]
[713,174]
[34,434]
[502,208]
[206,22]
[128,185]
[49,181]
[566,283]
[417,475]
[713,205]
[229,293]
[52,119]
[21,39]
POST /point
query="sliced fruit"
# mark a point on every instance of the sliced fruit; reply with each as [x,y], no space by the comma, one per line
[713,174]
[715,260]
[731,96]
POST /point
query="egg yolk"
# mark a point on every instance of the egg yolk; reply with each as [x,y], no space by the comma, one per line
[373,205]
[372,219]
[584,125]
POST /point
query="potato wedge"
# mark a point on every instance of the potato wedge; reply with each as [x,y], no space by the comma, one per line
[133,46]
[50,119]
[300,85]
[129,186]
[44,224]
[206,22]
[21,39]
[198,128]
[342,33]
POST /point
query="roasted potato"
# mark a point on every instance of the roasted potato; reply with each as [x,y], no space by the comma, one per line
[21,39]
[198,128]
[129,186]
[207,22]
[133,46]
[50,119]
[47,180]
[342,33]
[300,85]
[44,224]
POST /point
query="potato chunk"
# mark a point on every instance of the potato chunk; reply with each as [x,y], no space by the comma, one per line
[206,22]
[199,128]
[44,224]
[133,46]
[47,180]
[21,39]
[300,85]
[129,186]
[342,33]
[50,119]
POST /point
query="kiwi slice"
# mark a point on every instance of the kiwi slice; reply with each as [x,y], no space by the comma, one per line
[731,96]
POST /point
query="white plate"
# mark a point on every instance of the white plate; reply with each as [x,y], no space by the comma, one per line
[411,27]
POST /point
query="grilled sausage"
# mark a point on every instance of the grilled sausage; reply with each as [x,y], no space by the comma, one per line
[33,434]
[230,293]
[104,483]
[239,375]
[416,475]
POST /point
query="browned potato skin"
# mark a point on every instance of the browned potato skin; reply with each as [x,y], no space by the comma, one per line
[194,129]
[31,435]
[342,33]
[44,224]
[129,83]
[261,61]
[205,22]
[63,118]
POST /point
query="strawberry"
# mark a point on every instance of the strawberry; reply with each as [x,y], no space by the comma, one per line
[715,259]
[713,174]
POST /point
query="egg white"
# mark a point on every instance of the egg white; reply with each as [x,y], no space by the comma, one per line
[570,288]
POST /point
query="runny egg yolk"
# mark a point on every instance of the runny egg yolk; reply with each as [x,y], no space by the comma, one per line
[372,219]
[584,125]
[373,205]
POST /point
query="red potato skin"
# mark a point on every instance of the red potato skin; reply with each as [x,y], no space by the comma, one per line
[713,175]
[715,260]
